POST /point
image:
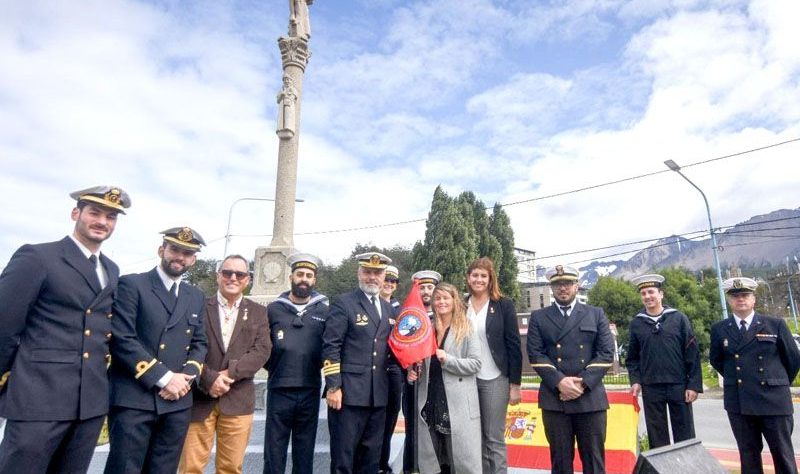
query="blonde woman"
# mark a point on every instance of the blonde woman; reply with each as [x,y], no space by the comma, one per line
[448,391]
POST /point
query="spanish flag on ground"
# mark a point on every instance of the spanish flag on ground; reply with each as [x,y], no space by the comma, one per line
[528,448]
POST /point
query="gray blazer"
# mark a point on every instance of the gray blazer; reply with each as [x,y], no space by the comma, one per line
[459,372]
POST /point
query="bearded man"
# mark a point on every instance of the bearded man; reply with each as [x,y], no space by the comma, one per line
[297,320]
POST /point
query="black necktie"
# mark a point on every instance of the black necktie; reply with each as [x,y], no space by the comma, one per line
[565,310]
[742,326]
[93,259]
[173,291]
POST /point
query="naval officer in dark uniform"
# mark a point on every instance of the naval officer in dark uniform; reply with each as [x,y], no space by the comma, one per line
[297,321]
[758,361]
[355,343]
[571,348]
[663,364]
[158,351]
[55,326]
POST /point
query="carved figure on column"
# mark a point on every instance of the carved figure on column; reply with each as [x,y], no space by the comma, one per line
[287,109]
[299,23]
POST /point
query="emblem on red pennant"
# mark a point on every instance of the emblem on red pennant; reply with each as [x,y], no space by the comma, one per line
[412,337]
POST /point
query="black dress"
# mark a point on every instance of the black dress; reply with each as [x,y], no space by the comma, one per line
[435,412]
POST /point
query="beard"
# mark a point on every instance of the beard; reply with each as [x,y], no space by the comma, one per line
[369,289]
[301,290]
[169,270]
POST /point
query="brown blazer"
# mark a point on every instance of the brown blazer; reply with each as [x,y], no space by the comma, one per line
[248,351]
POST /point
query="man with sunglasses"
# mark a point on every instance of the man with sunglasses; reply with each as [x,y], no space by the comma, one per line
[158,350]
[55,327]
[663,364]
[297,321]
[758,360]
[238,346]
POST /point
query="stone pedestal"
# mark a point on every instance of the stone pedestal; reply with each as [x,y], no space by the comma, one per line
[270,274]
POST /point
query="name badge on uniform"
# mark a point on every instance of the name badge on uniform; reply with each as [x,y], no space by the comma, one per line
[767,337]
[725,342]
[279,334]
[361,319]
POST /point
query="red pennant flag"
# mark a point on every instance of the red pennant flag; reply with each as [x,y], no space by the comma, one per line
[412,338]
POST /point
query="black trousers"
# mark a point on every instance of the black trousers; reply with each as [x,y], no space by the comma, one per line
[777,430]
[443,448]
[49,446]
[356,438]
[657,398]
[410,420]
[396,379]
[145,442]
[291,412]
[588,429]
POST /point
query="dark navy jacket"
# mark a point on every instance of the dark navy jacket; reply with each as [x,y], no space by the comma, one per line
[296,358]
[152,337]
[578,346]
[55,326]
[355,343]
[758,368]
[664,351]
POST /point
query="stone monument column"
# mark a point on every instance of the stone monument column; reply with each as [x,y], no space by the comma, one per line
[271,276]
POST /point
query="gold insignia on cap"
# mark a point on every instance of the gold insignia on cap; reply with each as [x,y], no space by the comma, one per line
[112,196]
[375,260]
[737,283]
[185,235]
[559,270]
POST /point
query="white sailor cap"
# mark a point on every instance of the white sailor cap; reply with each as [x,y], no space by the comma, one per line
[427,276]
[304,260]
[651,280]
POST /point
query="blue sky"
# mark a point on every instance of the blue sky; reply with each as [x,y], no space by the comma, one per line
[512,99]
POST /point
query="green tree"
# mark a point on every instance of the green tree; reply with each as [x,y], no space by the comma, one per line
[500,227]
[203,275]
[474,210]
[335,280]
[700,302]
[620,301]
[450,241]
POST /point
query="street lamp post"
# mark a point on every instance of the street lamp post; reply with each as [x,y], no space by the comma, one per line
[714,249]
[230,214]
[792,305]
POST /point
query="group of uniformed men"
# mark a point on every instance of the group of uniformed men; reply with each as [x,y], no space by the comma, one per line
[72,331]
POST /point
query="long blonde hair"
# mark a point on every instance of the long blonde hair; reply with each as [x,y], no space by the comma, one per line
[460,326]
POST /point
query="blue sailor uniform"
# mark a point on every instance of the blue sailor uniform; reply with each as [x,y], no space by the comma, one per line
[55,327]
[664,359]
[355,345]
[580,345]
[154,334]
[758,368]
[294,382]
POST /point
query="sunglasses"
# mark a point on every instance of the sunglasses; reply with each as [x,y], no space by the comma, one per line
[230,273]
[391,280]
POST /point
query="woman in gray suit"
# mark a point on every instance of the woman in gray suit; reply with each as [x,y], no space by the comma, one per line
[448,391]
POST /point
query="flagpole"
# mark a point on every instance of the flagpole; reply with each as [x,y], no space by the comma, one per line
[415,434]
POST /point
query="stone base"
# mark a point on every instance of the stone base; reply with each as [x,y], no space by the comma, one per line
[270,274]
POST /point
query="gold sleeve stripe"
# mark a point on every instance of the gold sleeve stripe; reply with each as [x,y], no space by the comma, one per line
[196,364]
[4,378]
[549,366]
[142,367]
[599,364]
[331,369]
